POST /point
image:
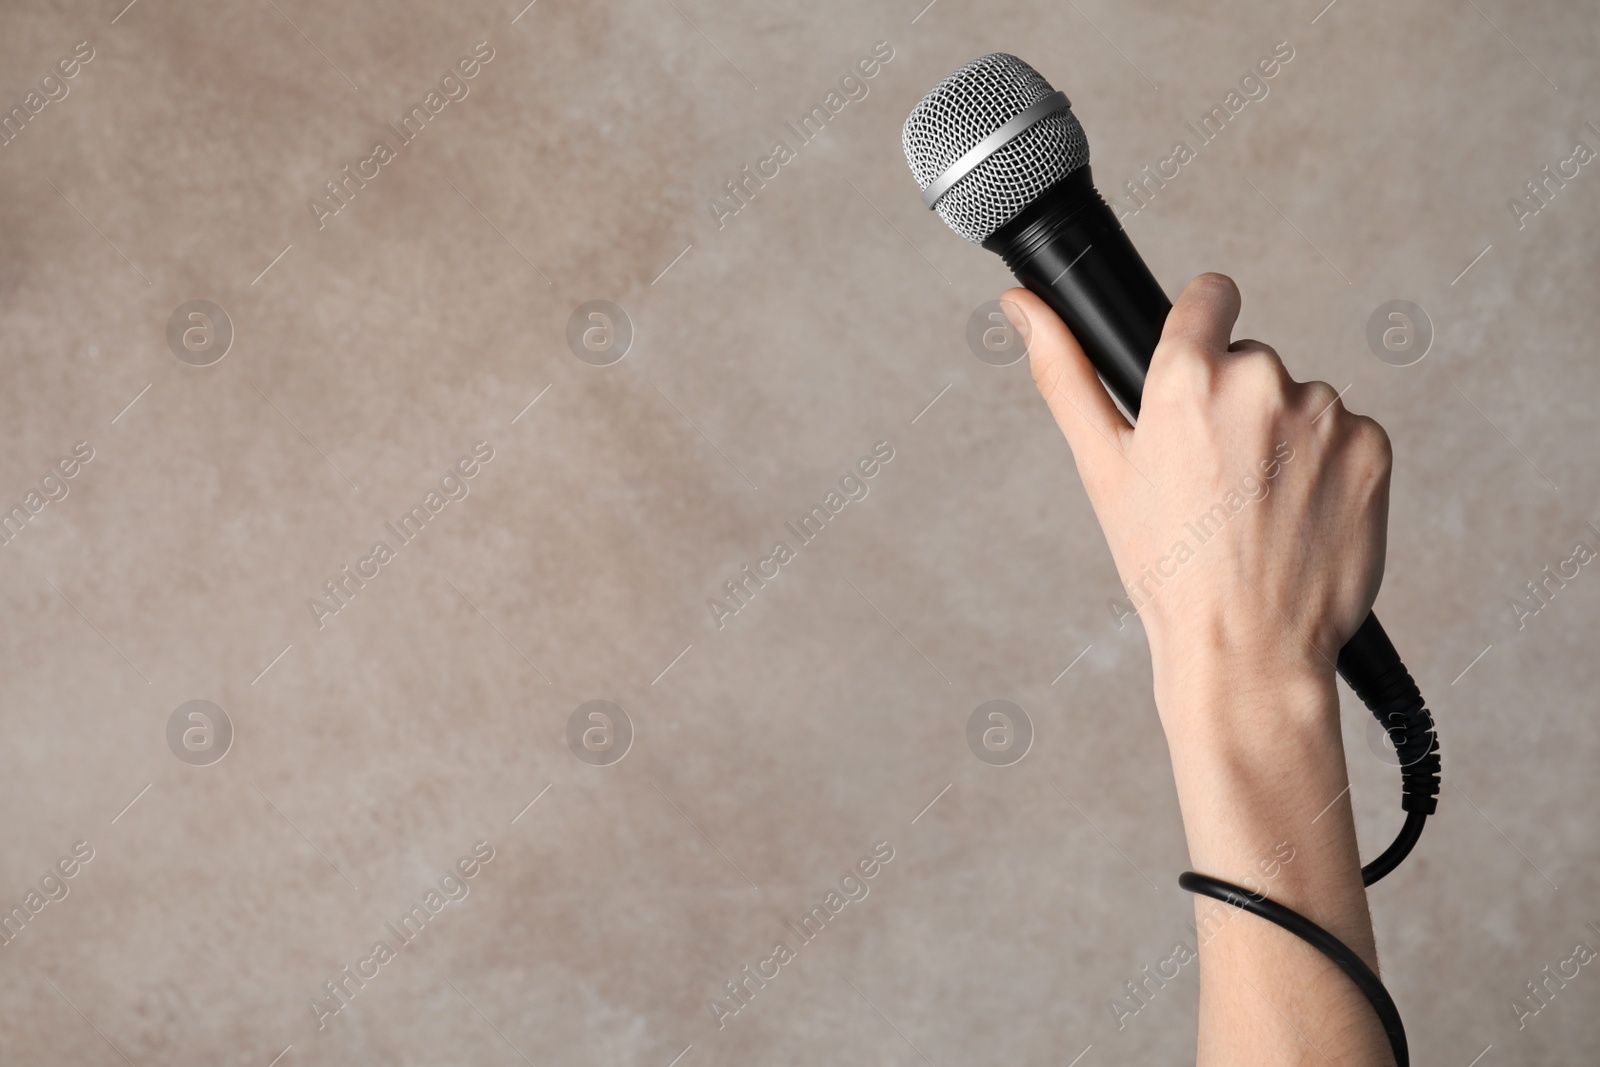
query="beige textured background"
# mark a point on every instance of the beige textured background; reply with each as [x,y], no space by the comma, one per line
[825,316]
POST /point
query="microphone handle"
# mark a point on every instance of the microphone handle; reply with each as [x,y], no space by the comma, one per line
[1068,247]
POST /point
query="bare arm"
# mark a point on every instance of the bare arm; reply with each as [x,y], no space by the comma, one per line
[1246,514]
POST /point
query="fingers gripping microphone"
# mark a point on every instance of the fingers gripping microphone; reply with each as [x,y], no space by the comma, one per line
[998,153]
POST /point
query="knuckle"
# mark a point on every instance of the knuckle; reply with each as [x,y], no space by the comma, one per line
[1259,375]
[1377,438]
[1372,444]
[1180,366]
[1318,397]
[1250,344]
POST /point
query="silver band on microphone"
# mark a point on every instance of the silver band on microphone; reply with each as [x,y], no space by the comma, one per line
[991,144]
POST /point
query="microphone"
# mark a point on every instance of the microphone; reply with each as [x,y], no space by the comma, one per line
[998,153]
[1000,156]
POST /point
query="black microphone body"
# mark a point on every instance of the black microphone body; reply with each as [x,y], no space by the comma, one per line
[1068,248]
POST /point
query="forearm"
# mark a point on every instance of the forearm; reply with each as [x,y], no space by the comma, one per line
[1261,779]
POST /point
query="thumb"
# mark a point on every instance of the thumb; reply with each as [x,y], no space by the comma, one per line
[1094,427]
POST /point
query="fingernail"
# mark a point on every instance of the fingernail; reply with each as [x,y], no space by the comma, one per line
[1018,318]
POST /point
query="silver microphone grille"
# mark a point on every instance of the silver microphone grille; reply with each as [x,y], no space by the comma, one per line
[971,105]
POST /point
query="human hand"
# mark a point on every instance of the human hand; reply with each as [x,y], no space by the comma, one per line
[1246,512]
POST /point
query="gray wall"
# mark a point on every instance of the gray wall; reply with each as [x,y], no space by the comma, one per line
[772,348]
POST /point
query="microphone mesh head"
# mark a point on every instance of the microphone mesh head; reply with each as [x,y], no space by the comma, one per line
[965,108]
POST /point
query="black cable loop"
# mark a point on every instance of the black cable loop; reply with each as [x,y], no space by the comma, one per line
[1330,946]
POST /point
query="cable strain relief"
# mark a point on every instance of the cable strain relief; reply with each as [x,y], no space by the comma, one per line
[1423,804]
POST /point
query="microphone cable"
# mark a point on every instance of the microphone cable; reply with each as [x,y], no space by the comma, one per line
[1396,702]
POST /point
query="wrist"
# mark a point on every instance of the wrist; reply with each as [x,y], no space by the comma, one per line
[1258,762]
[1240,703]
[1256,753]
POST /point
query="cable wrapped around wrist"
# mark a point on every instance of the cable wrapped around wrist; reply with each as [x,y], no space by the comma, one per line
[1330,946]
